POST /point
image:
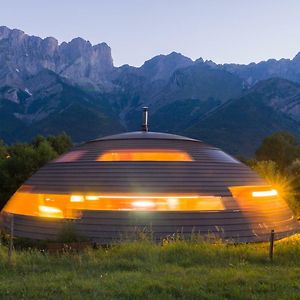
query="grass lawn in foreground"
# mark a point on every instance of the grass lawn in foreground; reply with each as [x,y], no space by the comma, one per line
[144,270]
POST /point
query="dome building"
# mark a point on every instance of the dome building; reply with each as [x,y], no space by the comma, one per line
[113,186]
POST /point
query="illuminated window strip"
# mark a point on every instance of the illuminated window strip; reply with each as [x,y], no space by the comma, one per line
[144,155]
[49,209]
[270,193]
[94,197]
[50,212]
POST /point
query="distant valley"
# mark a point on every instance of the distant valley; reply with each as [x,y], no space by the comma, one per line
[46,88]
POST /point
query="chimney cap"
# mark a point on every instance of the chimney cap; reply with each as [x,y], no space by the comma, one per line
[145,119]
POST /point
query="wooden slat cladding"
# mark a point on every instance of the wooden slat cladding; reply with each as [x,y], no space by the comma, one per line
[211,173]
[108,227]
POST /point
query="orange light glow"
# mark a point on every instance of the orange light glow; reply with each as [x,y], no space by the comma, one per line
[70,206]
[23,202]
[76,198]
[91,198]
[143,204]
[269,193]
[138,197]
[258,198]
[250,192]
[145,155]
[48,211]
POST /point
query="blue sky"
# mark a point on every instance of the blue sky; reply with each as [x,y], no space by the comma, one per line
[221,30]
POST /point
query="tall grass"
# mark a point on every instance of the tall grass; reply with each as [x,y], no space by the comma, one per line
[144,270]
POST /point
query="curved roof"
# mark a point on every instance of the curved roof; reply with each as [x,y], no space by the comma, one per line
[145,135]
[210,172]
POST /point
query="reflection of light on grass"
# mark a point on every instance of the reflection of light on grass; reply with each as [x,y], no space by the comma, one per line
[269,193]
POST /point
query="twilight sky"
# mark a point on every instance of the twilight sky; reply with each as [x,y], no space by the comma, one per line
[237,31]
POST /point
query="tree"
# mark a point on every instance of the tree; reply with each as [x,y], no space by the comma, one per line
[281,147]
[60,143]
[3,150]
[294,172]
[294,168]
[38,140]
[19,161]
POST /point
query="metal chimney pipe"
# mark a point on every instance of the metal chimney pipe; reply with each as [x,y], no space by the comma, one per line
[145,119]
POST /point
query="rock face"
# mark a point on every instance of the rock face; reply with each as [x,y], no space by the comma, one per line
[46,87]
[162,67]
[254,72]
[51,104]
[22,55]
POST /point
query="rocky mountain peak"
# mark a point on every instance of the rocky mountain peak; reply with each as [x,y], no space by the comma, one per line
[17,34]
[27,55]
[297,57]
[4,32]
[50,45]
[296,62]
[47,87]
[199,60]
[163,66]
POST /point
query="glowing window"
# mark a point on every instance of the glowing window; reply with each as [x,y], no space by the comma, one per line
[250,192]
[145,155]
[71,206]
[261,198]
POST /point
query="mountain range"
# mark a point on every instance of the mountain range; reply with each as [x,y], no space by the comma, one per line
[47,87]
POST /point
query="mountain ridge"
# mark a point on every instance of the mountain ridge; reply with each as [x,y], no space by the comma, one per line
[47,87]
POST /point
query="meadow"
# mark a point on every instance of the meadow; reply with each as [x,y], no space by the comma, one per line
[144,270]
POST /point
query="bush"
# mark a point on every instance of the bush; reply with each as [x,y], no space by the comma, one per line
[19,161]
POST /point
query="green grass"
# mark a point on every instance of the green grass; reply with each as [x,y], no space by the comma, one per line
[144,270]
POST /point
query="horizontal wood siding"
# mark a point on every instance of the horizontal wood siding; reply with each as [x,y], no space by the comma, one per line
[211,173]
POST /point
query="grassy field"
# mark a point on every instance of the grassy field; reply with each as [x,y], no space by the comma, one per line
[144,270]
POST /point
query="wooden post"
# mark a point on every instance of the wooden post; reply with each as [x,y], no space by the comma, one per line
[11,237]
[271,248]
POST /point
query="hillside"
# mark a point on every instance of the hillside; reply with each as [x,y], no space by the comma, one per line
[240,125]
[49,105]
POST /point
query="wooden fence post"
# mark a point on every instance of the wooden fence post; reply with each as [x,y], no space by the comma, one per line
[271,248]
[11,237]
